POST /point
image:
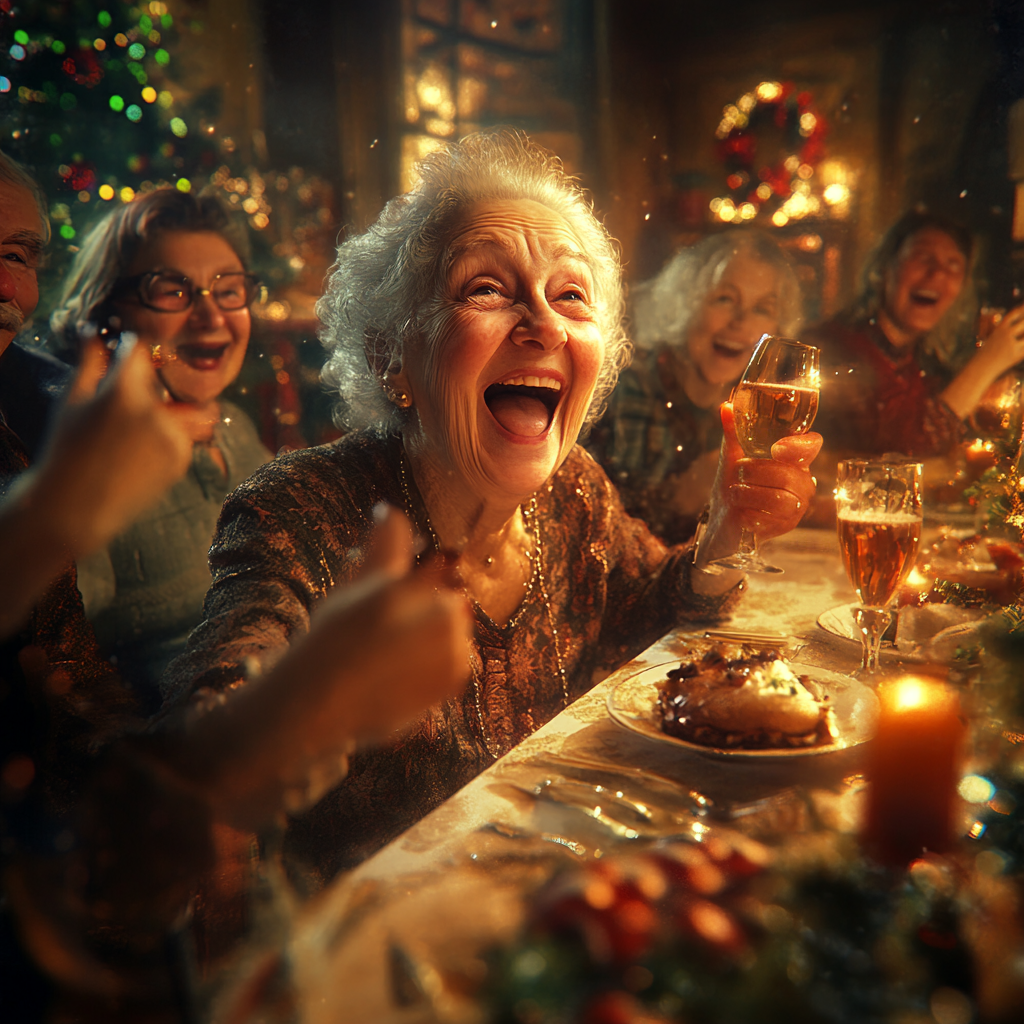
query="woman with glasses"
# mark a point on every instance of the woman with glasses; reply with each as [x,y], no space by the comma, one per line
[171,268]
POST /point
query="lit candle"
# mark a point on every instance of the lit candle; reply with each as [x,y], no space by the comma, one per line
[915,589]
[980,455]
[913,769]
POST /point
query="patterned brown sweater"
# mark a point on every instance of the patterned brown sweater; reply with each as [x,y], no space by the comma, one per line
[297,528]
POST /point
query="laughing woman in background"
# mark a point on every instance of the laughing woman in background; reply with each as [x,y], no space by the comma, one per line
[170,267]
[695,326]
[886,383]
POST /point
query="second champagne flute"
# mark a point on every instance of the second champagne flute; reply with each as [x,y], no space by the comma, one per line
[777,396]
[879,519]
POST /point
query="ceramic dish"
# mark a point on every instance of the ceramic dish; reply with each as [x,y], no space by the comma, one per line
[633,704]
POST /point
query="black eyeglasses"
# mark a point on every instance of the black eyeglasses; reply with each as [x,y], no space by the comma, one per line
[174,293]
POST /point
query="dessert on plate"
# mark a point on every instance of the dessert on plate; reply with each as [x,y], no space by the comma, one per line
[751,703]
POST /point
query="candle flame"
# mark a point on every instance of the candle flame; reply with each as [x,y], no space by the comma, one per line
[907,694]
[916,578]
[916,693]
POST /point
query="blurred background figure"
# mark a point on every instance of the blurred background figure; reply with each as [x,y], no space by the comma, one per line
[31,381]
[888,380]
[695,326]
[170,267]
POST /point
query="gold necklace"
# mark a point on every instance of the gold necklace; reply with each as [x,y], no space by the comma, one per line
[531,520]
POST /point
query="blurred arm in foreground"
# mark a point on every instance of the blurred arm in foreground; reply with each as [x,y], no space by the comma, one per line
[98,918]
[115,448]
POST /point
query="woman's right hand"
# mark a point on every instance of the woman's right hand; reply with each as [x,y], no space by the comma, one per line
[770,496]
[1002,349]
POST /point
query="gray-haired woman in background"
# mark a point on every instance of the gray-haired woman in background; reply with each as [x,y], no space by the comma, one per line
[695,326]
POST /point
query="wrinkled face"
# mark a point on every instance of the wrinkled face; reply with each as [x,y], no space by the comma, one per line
[741,306]
[202,347]
[924,281]
[502,394]
[21,245]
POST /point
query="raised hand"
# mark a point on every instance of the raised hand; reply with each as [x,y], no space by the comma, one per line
[769,495]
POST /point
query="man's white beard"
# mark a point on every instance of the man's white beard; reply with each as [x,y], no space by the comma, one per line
[11,318]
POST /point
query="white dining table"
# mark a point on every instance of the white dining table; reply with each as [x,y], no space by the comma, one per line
[400,938]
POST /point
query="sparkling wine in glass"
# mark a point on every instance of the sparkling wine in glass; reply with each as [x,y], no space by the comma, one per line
[879,522]
[777,396]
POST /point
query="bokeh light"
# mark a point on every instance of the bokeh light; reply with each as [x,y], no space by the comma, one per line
[127,194]
[106,192]
[976,789]
[149,94]
[768,92]
[117,103]
[178,127]
[183,185]
[136,51]
[134,112]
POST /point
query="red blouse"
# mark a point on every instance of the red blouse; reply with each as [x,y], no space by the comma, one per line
[876,398]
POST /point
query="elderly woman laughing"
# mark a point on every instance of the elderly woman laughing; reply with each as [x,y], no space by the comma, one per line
[472,331]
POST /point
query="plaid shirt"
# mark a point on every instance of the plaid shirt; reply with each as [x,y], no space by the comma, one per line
[650,433]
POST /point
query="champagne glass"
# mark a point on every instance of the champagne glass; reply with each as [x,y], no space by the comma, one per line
[777,396]
[879,511]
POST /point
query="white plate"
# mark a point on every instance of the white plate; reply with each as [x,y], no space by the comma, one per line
[633,704]
[917,625]
[839,622]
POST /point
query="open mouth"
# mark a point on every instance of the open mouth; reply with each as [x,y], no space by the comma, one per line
[924,298]
[525,405]
[729,351]
[202,357]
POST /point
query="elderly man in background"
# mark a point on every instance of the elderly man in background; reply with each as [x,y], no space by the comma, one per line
[31,381]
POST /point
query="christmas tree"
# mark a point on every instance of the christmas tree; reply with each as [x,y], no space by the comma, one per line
[91,105]
[97,100]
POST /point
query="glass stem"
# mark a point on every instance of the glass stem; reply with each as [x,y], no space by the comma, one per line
[748,542]
[871,623]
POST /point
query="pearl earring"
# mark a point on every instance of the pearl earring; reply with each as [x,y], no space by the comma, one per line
[397,397]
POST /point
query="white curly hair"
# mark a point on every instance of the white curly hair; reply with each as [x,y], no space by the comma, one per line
[385,286]
[664,306]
